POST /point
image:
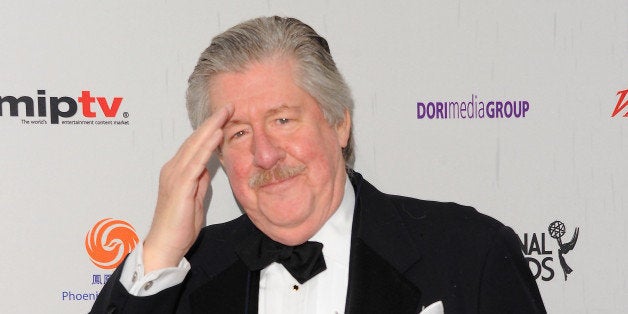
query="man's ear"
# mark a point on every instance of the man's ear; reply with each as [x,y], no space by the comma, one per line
[343,130]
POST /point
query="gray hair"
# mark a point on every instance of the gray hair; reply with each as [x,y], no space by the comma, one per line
[261,38]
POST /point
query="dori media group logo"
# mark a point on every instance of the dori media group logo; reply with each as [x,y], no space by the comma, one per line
[537,250]
[43,109]
[472,109]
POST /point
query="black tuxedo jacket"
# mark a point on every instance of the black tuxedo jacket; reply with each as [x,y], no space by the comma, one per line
[405,254]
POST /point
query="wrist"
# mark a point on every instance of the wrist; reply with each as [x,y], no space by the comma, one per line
[155,258]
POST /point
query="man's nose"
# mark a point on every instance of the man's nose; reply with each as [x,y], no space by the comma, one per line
[266,152]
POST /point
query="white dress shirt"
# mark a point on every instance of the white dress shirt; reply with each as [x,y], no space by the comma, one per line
[279,292]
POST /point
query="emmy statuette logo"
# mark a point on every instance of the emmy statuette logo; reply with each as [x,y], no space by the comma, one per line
[557,230]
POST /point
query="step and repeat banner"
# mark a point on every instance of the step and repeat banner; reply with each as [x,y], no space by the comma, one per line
[518,108]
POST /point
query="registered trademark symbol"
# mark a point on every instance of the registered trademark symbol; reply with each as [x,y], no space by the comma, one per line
[125,114]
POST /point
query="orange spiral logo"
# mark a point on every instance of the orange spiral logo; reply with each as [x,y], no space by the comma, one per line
[109,241]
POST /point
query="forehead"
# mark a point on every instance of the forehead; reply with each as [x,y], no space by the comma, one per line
[273,77]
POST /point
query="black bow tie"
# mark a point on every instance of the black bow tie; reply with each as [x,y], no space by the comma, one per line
[303,261]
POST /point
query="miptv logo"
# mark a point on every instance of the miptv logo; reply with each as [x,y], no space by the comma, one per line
[109,241]
[61,108]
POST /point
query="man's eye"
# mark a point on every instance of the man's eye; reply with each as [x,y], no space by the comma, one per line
[239,134]
[283,120]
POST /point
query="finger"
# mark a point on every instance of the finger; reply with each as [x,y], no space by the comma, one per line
[214,122]
[203,185]
[203,154]
[200,145]
[199,137]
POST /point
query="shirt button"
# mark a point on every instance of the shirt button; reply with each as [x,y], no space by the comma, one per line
[148,285]
[134,279]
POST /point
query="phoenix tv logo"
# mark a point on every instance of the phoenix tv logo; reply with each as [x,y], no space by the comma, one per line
[109,241]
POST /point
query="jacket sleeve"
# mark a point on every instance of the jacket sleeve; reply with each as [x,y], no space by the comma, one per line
[507,284]
[114,298]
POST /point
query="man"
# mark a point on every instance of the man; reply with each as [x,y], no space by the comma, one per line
[267,97]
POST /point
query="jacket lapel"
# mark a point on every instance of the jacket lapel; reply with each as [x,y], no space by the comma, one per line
[234,290]
[381,251]
[376,287]
[222,283]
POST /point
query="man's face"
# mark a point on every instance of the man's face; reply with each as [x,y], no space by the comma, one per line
[283,159]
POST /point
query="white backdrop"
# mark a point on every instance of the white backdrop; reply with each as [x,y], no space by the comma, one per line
[564,161]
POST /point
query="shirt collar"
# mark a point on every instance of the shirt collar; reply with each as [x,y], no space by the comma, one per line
[336,232]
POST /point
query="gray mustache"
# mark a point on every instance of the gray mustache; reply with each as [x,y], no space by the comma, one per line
[275,174]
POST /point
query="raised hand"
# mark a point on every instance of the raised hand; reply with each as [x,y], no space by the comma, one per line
[183,182]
